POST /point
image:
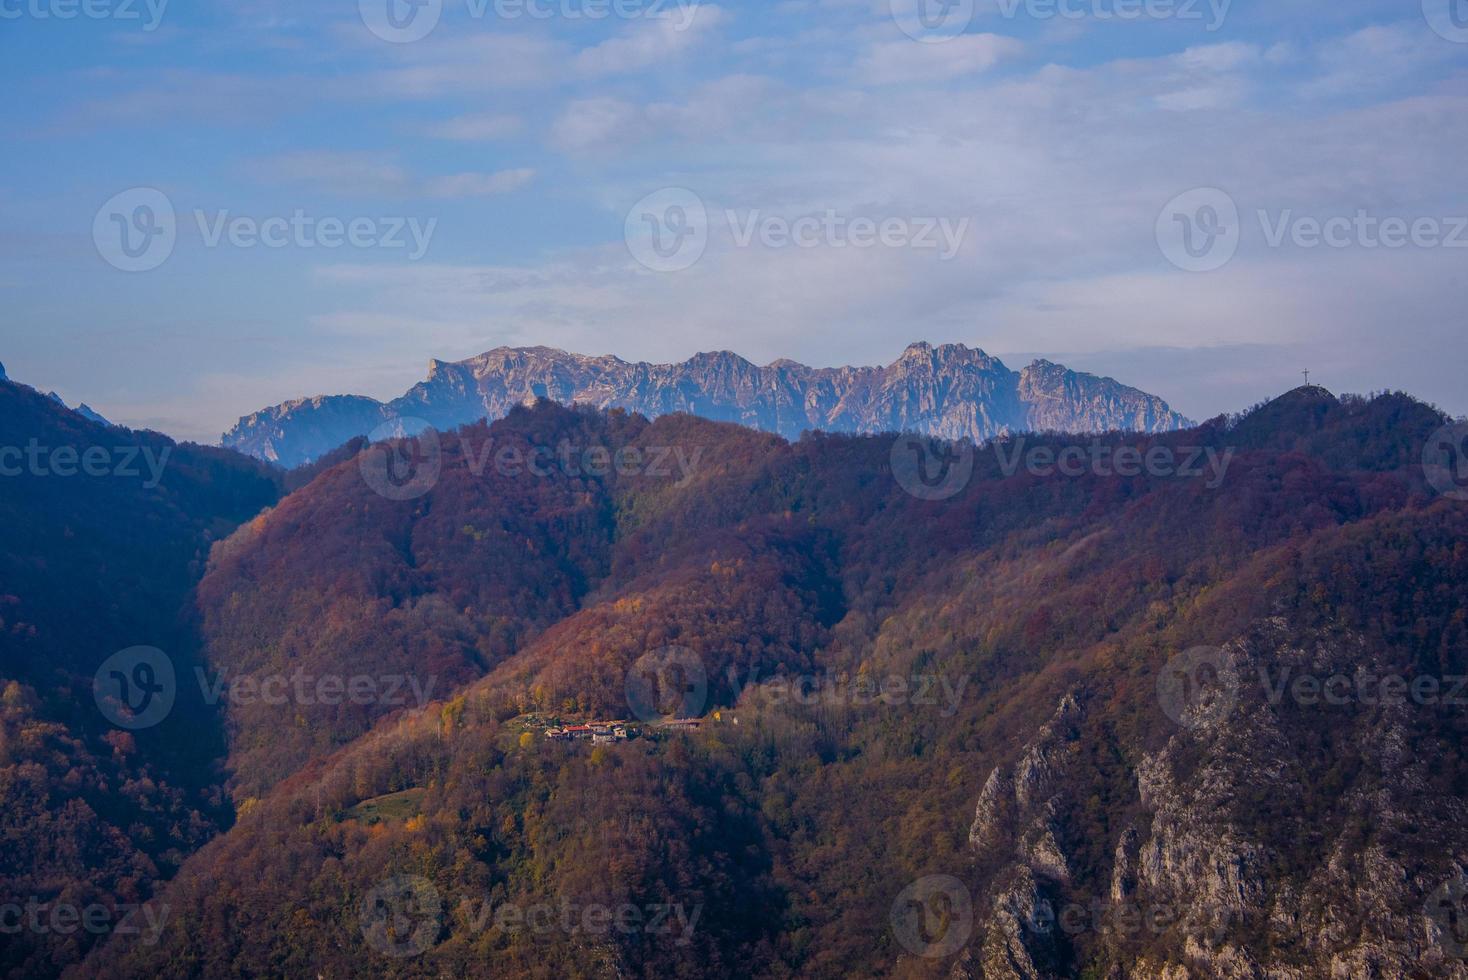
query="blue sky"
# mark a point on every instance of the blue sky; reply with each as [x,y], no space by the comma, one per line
[1059,135]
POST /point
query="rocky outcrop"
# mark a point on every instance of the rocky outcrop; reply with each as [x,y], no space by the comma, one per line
[1014,829]
[951,392]
[1276,835]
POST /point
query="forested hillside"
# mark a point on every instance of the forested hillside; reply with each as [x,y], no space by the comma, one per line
[930,726]
[107,531]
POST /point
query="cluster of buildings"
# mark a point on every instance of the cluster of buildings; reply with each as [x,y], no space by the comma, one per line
[598,731]
[612,731]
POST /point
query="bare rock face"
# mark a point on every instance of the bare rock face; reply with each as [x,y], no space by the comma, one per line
[1014,828]
[1276,835]
[300,431]
[1018,806]
[950,392]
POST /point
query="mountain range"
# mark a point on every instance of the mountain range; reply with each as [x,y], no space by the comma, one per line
[1100,722]
[950,391]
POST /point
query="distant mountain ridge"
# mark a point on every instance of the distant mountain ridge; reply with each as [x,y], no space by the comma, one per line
[950,391]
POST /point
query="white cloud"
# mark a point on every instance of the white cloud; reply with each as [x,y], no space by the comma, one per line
[346,174]
[907,61]
[481,127]
[651,41]
[479,185]
[587,122]
[378,175]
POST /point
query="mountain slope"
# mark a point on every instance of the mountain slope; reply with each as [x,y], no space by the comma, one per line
[950,391]
[106,533]
[1043,772]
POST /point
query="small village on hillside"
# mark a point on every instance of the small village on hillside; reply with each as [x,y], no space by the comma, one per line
[601,732]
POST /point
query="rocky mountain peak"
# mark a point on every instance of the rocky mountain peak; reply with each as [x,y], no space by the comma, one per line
[951,391]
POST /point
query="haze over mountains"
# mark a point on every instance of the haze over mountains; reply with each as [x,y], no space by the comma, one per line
[950,391]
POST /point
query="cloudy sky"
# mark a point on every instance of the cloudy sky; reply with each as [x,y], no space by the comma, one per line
[207,207]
